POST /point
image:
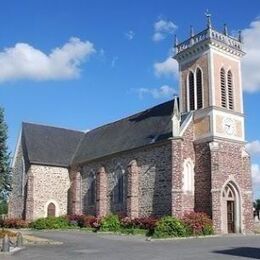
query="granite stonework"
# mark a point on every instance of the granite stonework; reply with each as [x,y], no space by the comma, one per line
[16,200]
[46,184]
[147,182]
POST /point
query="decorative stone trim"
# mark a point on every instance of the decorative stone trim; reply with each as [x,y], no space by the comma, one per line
[75,193]
[101,200]
[133,190]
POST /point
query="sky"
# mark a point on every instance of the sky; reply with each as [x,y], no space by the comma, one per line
[80,64]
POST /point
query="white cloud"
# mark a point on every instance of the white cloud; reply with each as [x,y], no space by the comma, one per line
[162,28]
[23,61]
[254,147]
[168,67]
[251,61]
[164,91]
[130,35]
[256,174]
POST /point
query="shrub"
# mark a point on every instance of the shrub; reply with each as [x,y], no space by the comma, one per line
[88,221]
[14,223]
[3,207]
[51,223]
[148,223]
[169,227]
[110,223]
[198,223]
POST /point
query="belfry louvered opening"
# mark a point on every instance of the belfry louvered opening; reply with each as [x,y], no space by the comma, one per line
[199,88]
[191,90]
[230,90]
[223,88]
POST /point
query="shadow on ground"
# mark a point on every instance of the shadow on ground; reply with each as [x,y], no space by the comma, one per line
[250,252]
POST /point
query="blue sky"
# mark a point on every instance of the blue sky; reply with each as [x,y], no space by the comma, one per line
[79,64]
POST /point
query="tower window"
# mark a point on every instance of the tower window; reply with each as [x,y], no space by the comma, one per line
[223,88]
[191,91]
[199,88]
[230,90]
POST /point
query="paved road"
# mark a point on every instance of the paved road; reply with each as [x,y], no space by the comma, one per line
[79,245]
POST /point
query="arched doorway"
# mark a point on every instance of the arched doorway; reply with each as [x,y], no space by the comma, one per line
[51,210]
[231,213]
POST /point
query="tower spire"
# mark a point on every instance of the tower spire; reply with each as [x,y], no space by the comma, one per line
[191,31]
[225,29]
[240,37]
[176,42]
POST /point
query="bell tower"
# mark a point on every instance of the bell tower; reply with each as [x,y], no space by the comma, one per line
[211,89]
[210,82]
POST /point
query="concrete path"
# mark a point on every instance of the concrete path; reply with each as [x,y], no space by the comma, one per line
[80,245]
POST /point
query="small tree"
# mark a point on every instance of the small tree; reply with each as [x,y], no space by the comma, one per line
[5,170]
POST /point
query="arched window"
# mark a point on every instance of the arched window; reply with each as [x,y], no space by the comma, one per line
[230,90]
[188,176]
[223,88]
[191,91]
[199,88]
[119,185]
[92,189]
[51,210]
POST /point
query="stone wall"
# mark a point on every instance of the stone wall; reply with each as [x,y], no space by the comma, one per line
[16,199]
[219,164]
[182,149]
[203,178]
[46,184]
[231,165]
[154,181]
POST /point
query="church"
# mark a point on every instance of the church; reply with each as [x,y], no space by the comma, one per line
[187,154]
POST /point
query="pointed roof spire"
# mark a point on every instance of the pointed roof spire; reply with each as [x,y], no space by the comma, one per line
[208,15]
[176,111]
[225,29]
[191,31]
[176,118]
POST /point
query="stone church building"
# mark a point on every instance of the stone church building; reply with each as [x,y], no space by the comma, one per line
[183,155]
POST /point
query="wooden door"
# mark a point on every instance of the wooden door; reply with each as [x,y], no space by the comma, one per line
[231,216]
[51,210]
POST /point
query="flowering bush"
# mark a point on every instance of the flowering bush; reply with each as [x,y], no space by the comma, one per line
[146,222]
[88,221]
[14,223]
[198,223]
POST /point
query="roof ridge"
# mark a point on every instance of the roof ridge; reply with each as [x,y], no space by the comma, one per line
[127,117]
[52,126]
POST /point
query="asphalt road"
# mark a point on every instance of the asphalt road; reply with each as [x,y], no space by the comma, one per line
[80,245]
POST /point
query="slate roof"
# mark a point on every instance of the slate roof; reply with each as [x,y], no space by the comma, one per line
[50,145]
[147,127]
[60,147]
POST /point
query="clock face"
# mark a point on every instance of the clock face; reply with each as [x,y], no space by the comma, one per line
[229,126]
